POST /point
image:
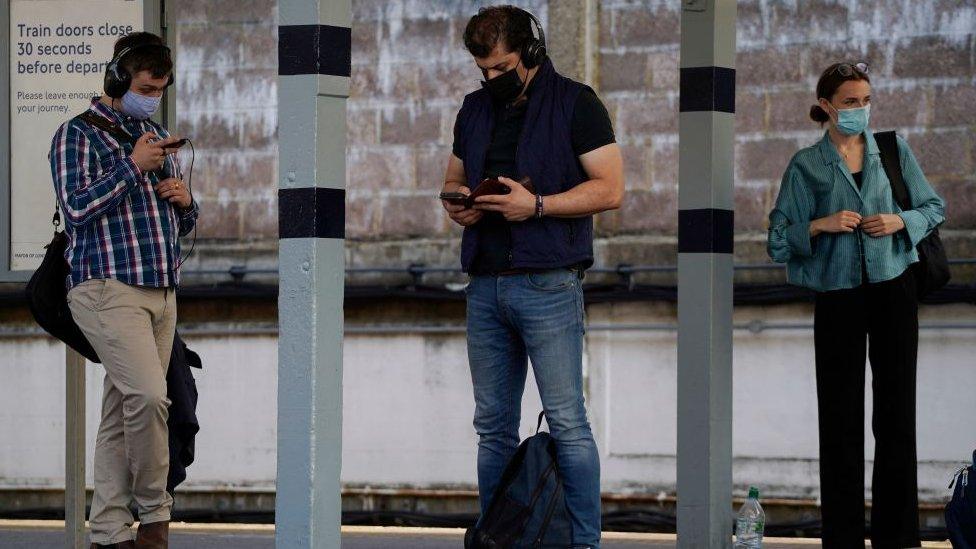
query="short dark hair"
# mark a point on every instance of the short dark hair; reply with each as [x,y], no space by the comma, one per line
[508,25]
[830,80]
[148,53]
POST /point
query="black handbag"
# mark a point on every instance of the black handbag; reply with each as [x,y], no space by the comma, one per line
[47,296]
[932,270]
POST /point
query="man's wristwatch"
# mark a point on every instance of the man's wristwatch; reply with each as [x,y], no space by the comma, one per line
[538,206]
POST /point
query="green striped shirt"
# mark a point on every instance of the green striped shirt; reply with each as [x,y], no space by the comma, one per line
[817,183]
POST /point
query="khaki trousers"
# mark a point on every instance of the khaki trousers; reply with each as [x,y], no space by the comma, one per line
[131,328]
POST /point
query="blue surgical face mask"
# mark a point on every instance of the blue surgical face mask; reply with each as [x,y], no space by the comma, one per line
[853,121]
[138,106]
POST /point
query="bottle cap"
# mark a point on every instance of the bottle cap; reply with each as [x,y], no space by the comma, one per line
[753,492]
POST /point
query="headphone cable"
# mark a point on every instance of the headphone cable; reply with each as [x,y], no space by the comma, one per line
[189,187]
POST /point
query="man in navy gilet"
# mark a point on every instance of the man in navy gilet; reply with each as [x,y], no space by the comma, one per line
[526,251]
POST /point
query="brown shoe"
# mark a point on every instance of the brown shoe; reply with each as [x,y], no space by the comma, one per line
[123,545]
[154,535]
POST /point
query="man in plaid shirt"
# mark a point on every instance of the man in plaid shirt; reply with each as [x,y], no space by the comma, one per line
[126,207]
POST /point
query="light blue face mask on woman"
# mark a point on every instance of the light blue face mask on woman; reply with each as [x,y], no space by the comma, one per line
[139,106]
[853,121]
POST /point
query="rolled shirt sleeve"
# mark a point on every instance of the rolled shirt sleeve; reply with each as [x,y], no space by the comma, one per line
[789,222]
[188,218]
[928,208]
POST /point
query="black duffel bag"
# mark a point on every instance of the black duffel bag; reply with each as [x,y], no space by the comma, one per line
[47,296]
[932,270]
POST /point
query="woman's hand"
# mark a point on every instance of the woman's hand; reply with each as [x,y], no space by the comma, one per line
[844,221]
[882,225]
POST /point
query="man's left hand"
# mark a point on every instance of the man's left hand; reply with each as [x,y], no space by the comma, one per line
[174,191]
[882,224]
[517,205]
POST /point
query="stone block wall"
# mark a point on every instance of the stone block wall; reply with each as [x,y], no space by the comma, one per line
[226,85]
[410,72]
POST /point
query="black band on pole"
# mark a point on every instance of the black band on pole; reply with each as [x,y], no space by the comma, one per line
[311,212]
[314,49]
[707,89]
[706,231]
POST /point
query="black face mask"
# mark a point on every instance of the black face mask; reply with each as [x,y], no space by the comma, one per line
[506,86]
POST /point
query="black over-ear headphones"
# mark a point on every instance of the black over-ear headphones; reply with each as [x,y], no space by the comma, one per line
[534,52]
[117,77]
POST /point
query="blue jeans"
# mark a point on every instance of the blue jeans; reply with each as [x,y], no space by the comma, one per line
[537,316]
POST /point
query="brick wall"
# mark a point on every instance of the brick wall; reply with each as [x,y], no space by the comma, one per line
[410,72]
[226,85]
[922,62]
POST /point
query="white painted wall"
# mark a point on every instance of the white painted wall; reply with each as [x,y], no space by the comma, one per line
[408,407]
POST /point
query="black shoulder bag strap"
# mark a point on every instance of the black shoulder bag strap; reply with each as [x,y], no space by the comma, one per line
[932,269]
[890,159]
[106,125]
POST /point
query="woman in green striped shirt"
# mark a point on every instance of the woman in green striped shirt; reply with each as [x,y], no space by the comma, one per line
[841,233]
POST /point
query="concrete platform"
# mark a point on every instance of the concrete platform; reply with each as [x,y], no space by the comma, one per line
[20,534]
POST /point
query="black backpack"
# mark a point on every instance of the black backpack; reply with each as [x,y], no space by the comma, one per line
[960,512]
[528,509]
[932,270]
[47,296]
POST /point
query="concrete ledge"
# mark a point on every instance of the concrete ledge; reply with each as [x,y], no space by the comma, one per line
[365,531]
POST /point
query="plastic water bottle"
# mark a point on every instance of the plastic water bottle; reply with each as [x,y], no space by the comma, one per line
[750,522]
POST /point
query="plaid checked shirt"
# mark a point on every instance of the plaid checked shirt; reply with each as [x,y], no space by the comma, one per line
[117,226]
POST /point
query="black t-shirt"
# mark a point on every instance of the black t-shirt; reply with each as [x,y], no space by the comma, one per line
[591,129]
[859,181]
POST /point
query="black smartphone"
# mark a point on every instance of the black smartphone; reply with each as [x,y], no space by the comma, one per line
[456,199]
[176,145]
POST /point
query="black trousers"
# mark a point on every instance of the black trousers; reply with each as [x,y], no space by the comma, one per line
[879,321]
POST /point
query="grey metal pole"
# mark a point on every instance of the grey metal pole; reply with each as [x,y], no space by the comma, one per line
[74,449]
[705,237]
[314,63]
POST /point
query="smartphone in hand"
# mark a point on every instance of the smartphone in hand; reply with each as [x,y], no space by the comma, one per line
[172,147]
[455,199]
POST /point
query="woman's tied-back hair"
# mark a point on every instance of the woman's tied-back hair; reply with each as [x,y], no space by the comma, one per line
[831,79]
[495,25]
